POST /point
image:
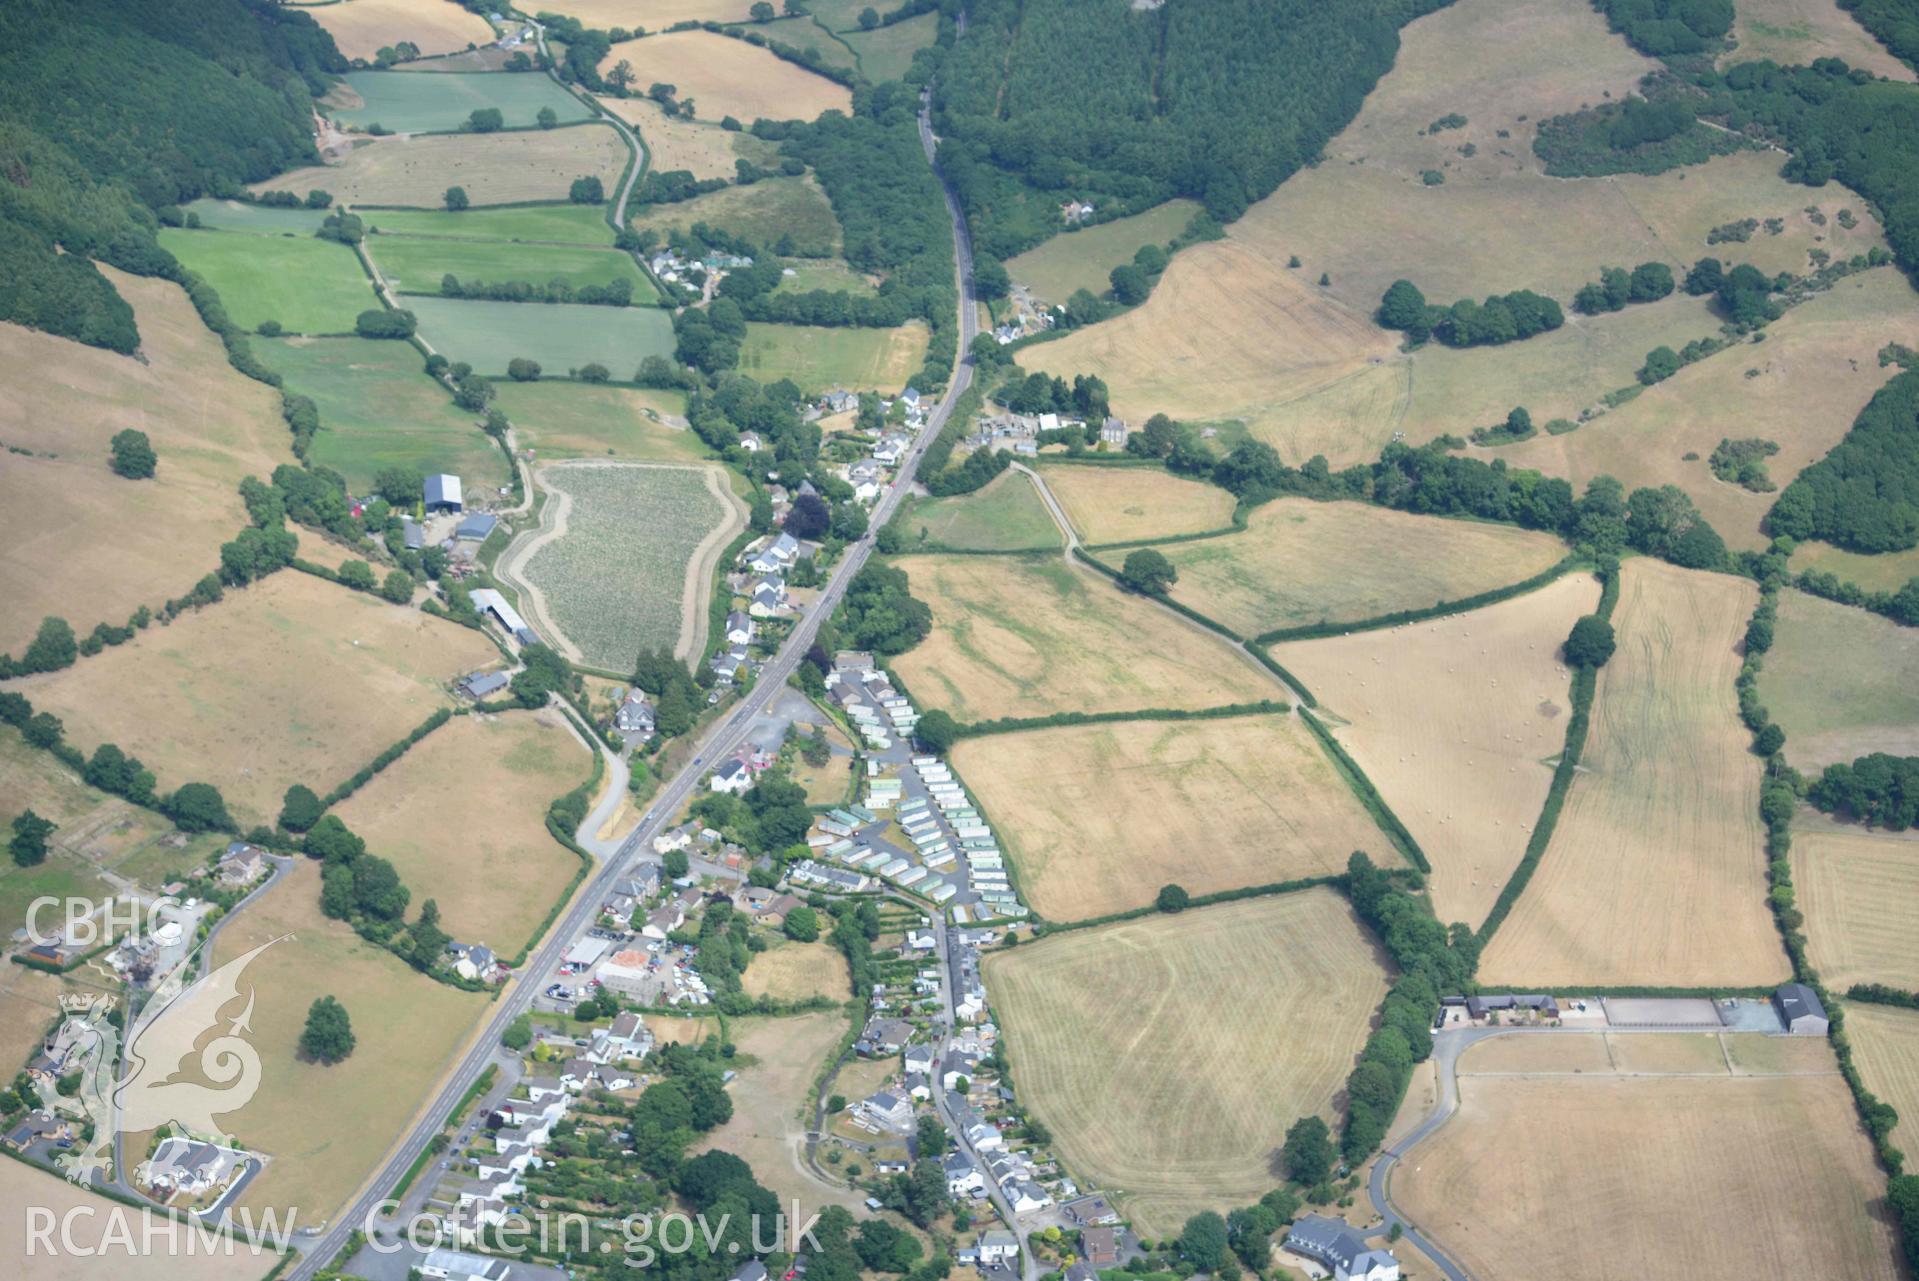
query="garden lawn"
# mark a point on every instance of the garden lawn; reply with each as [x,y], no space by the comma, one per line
[559,336]
[442,103]
[414,266]
[309,286]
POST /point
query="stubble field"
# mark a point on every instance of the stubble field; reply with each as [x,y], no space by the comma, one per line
[1841,682]
[1220,1087]
[84,544]
[1032,637]
[1859,890]
[312,682]
[1658,1176]
[497,168]
[462,817]
[1301,562]
[361,28]
[309,286]
[1129,504]
[727,77]
[1885,1045]
[1097,818]
[1656,873]
[1454,720]
[704,150]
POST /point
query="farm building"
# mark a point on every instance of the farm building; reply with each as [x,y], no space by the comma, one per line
[1800,1010]
[489,601]
[442,493]
[480,684]
[412,533]
[1334,1243]
[475,528]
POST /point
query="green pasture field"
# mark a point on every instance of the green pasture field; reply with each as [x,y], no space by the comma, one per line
[557,224]
[1006,516]
[559,419]
[309,286]
[804,33]
[819,358]
[886,53]
[378,409]
[615,582]
[1840,681]
[763,213]
[560,336]
[239,215]
[1085,259]
[442,103]
[415,265]
[1885,572]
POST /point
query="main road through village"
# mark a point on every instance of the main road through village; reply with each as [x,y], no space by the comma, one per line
[725,736]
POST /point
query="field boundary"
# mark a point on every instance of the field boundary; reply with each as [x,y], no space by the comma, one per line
[1445,608]
[1066,720]
[1046,928]
[1368,795]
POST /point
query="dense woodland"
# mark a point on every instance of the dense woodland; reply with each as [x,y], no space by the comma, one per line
[1895,22]
[1864,495]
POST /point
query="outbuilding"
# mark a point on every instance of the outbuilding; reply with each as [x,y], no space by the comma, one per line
[1336,1245]
[442,493]
[1800,1010]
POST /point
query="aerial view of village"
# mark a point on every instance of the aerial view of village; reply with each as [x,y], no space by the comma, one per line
[981,640]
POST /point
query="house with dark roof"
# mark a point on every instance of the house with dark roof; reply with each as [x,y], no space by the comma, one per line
[1100,1246]
[1481,1008]
[479,684]
[1334,1244]
[1800,1010]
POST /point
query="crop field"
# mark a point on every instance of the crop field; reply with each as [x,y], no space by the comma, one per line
[542,224]
[1885,572]
[560,336]
[1131,504]
[1085,259]
[1706,1176]
[806,33]
[1221,1087]
[442,103]
[1802,31]
[495,168]
[1841,682]
[1647,1054]
[1033,637]
[1097,818]
[309,286]
[1656,873]
[727,77]
[1301,562]
[84,544]
[415,265]
[1454,721]
[768,1128]
[1858,889]
[407,1029]
[581,420]
[820,358]
[704,150]
[265,220]
[654,15]
[461,816]
[378,409]
[1885,1045]
[886,53]
[791,971]
[313,682]
[762,213]
[1800,388]
[624,557]
[363,27]
[1006,516]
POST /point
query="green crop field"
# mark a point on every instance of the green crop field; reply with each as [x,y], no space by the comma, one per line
[437,104]
[580,420]
[309,286]
[613,566]
[1006,516]
[765,213]
[415,265]
[560,336]
[886,53]
[239,215]
[559,224]
[1085,259]
[379,409]
[820,358]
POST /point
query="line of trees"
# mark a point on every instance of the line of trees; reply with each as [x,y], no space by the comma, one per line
[617,292]
[1501,318]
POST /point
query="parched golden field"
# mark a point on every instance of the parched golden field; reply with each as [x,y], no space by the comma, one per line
[1614,1177]
[1801,31]
[653,15]
[84,544]
[791,971]
[1301,562]
[1016,636]
[727,77]
[361,28]
[461,816]
[407,1028]
[291,680]
[705,150]
[1841,682]
[1656,873]
[1615,1053]
[1859,889]
[495,168]
[30,1007]
[1816,370]
[1885,1045]
[1454,721]
[1096,818]
[1125,504]
[770,1118]
[1154,1018]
